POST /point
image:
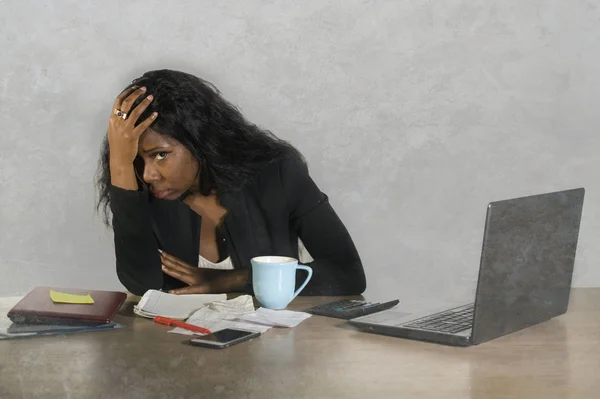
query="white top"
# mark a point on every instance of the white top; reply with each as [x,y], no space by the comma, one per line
[223,265]
[303,255]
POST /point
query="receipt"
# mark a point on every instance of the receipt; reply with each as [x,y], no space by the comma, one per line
[239,313]
[239,305]
[215,321]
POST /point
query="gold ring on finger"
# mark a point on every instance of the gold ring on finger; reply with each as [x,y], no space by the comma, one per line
[120,114]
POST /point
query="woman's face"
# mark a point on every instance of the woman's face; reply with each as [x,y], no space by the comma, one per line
[168,167]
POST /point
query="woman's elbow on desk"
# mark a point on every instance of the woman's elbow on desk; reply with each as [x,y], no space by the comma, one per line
[338,283]
[355,284]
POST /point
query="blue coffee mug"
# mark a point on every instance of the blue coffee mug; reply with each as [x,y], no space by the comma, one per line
[274,280]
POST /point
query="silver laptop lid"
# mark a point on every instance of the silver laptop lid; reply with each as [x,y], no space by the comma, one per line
[527,262]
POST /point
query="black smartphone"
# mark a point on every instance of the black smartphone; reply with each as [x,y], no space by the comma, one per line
[223,338]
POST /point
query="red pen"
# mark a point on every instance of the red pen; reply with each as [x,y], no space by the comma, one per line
[181,324]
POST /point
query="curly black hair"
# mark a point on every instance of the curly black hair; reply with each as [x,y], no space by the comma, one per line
[191,110]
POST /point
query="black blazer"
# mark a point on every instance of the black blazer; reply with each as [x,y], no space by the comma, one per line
[265,217]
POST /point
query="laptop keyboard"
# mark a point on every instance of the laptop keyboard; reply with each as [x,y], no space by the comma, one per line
[451,321]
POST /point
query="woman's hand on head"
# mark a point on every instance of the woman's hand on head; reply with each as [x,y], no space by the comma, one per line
[202,281]
[123,135]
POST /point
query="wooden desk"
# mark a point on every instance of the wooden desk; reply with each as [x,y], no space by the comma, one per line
[321,358]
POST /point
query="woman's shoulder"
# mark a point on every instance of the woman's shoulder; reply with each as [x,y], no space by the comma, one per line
[284,171]
[285,183]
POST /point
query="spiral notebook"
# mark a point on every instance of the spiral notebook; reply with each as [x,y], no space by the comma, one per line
[178,307]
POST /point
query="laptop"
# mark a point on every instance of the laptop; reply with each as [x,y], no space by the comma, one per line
[38,308]
[525,274]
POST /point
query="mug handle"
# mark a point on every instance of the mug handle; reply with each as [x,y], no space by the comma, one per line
[309,271]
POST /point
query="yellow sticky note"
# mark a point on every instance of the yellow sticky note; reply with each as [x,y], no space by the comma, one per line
[61,297]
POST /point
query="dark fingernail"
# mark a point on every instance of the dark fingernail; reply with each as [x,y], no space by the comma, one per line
[150,97]
[143,89]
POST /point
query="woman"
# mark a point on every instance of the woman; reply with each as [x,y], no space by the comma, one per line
[196,191]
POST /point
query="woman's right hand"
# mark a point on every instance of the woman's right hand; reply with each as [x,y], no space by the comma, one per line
[123,136]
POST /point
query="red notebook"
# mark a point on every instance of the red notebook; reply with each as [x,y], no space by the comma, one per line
[38,308]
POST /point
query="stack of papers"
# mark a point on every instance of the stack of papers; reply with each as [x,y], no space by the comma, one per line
[239,313]
[178,307]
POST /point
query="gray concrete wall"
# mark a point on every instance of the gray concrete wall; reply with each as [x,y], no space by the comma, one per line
[412,114]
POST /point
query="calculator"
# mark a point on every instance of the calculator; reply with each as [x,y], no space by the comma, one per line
[350,308]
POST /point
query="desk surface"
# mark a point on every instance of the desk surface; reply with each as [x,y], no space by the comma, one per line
[320,358]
